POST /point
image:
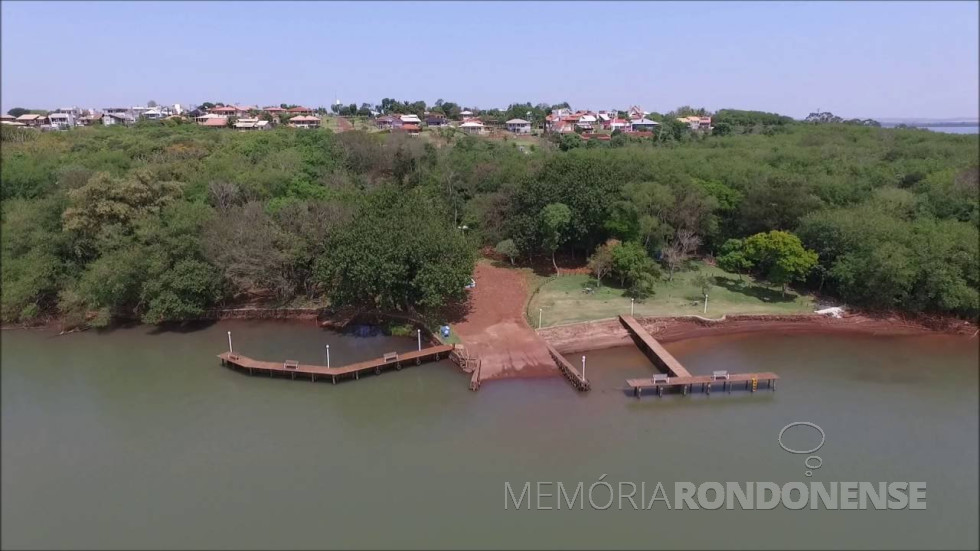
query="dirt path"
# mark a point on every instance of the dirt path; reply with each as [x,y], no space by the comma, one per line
[343,125]
[495,328]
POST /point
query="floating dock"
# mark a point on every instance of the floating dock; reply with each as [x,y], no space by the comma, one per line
[679,378]
[705,383]
[391,360]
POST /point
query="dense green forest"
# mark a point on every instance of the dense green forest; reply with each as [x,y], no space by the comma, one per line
[159,223]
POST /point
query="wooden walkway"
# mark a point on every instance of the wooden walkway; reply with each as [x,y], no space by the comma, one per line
[653,349]
[705,383]
[577,379]
[292,368]
[678,376]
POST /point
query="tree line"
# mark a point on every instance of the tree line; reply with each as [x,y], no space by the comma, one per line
[161,223]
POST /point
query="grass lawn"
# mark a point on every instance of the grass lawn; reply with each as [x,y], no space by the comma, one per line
[564,301]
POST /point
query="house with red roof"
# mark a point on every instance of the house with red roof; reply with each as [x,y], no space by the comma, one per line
[300,111]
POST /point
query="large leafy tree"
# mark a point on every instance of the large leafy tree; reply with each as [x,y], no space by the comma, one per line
[780,256]
[398,253]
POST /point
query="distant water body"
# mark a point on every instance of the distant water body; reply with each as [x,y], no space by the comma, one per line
[975,129]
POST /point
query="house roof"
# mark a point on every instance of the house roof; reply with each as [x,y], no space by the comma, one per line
[212,116]
[30,117]
[517,121]
[298,110]
[251,123]
[304,118]
[224,109]
[220,121]
[12,123]
[59,115]
[7,117]
[410,126]
[410,118]
[471,124]
[644,121]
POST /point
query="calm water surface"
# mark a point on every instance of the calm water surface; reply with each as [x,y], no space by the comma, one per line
[137,438]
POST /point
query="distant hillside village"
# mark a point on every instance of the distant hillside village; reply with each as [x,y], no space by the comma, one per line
[392,116]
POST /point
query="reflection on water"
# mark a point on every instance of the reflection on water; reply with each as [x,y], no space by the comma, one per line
[132,438]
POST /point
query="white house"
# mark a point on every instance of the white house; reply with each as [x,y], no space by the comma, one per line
[411,119]
[304,121]
[518,126]
[619,124]
[586,121]
[252,124]
[61,120]
[472,127]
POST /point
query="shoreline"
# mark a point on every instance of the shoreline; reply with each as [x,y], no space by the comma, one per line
[609,333]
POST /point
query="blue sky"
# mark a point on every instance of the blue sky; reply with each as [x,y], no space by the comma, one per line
[875,59]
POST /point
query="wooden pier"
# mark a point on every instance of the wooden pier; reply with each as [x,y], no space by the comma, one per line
[704,383]
[391,360]
[653,349]
[679,378]
[577,379]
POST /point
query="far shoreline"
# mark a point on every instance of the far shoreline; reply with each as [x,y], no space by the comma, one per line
[609,333]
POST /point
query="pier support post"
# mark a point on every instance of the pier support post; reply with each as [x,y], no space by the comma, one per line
[708,388]
[334,377]
[660,391]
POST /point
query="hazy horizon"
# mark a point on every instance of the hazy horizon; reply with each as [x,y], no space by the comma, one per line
[882,60]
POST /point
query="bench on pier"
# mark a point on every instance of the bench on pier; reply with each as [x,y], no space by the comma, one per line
[391,357]
[290,364]
[659,378]
[720,375]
